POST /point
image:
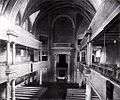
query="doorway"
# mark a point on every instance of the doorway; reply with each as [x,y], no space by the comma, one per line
[62,66]
[62,60]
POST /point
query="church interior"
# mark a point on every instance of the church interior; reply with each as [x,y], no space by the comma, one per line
[59,49]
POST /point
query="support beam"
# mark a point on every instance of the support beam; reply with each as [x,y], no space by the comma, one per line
[68,71]
[89,53]
[8,95]
[40,72]
[40,54]
[89,50]
[8,53]
[13,53]
[8,92]
[80,55]
[55,62]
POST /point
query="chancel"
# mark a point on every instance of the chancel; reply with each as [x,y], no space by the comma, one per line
[59,49]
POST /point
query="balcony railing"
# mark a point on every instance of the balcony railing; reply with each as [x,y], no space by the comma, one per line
[61,44]
[3,76]
[19,70]
[108,70]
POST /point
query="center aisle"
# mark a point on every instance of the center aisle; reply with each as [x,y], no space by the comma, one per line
[56,91]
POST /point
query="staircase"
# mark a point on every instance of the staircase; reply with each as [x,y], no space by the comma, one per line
[29,93]
[78,94]
[75,94]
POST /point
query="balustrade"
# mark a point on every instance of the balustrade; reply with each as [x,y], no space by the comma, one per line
[108,70]
[19,70]
[61,44]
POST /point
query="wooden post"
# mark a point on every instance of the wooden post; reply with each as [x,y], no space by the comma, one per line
[40,54]
[8,94]
[89,54]
[40,72]
[13,53]
[88,92]
[55,62]
[13,89]
[68,76]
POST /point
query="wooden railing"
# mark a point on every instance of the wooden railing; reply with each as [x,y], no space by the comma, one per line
[61,44]
[3,76]
[40,65]
[98,77]
[108,70]
[19,70]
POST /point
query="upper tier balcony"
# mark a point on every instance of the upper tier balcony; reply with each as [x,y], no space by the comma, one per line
[19,70]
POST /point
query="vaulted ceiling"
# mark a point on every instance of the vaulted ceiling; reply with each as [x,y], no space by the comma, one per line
[79,12]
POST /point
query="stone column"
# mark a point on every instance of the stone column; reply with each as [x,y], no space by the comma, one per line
[88,92]
[68,71]
[13,89]
[13,53]
[8,92]
[55,72]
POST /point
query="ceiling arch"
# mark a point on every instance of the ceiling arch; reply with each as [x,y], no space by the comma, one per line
[85,8]
[66,16]
[47,5]
[62,29]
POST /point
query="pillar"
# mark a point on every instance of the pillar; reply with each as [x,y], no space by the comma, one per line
[55,72]
[80,55]
[40,72]
[8,92]
[89,53]
[8,53]
[41,55]
[75,66]
[68,71]
[88,92]
[13,89]
[14,53]
[8,95]
[89,50]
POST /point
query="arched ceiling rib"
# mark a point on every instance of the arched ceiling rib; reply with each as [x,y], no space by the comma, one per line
[48,5]
[34,5]
[85,8]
